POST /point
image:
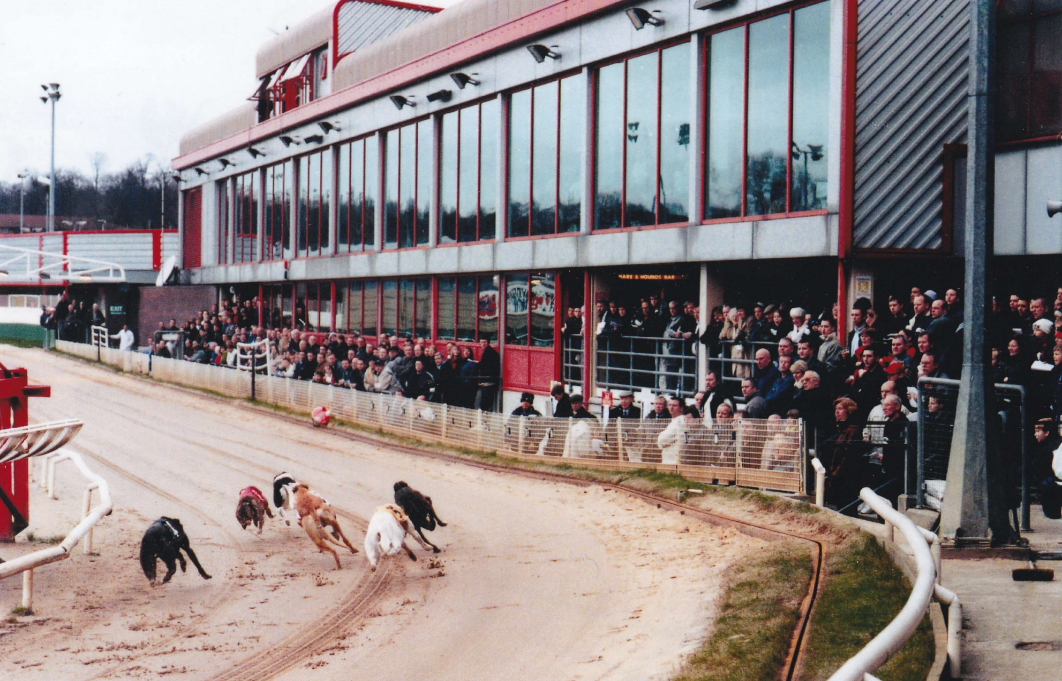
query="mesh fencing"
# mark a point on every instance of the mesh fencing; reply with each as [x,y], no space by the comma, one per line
[760,453]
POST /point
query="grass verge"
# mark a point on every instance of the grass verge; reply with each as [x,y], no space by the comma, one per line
[759,614]
[862,592]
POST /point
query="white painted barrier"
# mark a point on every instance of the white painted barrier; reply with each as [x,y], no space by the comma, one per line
[891,639]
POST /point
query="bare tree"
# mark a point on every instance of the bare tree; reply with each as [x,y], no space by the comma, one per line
[98,160]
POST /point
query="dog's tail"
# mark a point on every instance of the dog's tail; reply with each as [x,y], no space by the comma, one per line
[147,561]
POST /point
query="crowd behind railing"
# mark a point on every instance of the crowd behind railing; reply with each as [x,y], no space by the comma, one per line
[766,361]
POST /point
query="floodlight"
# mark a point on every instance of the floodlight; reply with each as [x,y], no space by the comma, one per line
[540,52]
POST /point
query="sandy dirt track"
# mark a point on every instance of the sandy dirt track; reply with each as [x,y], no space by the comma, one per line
[536,580]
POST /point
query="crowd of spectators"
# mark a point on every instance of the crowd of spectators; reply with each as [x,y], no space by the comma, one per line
[412,367]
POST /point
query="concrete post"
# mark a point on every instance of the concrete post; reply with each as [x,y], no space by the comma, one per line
[968,511]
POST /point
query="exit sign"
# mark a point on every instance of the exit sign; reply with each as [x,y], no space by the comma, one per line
[117,309]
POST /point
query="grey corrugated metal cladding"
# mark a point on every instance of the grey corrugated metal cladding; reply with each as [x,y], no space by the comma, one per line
[911,82]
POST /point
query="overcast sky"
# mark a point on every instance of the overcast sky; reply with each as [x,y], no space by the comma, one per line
[135,74]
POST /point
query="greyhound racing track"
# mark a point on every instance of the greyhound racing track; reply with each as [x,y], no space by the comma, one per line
[536,579]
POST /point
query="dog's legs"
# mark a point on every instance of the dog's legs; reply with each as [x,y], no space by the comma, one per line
[337,530]
[409,551]
[372,549]
[423,542]
[171,568]
[431,508]
[195,562]
[317,534]
[426,540]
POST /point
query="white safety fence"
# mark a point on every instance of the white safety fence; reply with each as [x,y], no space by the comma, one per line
[759,453]
[46,441]
[926,587]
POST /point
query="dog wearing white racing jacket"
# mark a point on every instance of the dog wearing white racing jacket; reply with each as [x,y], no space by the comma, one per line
[387,534]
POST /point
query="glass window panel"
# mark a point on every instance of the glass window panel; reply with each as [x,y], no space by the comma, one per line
[516,309]
[466,309]
[286,303]
[674,176]
[326,306]
[368,312]
[389,296]
[313,234]
[405,308]
[354,307]
[468,182]
[489,120]
[445,323]
[289,201]
[407,184]
[1045,86]
[327,186]
[768,96]
[726,91]
[641,180]
[424,178]
[372,189]
[544,168]
[302,216]
[542,310]
[269,199]
[344,199]
[811,94]
[519,162]
[487,309]
[422,319]
[390,216]
[570,173]
[448,179]
[608,161]
[223,221]
[357,191]
[1013,8]
[312,316]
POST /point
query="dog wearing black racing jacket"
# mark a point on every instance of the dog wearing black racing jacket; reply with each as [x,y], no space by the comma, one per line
[164,540]
[419,510]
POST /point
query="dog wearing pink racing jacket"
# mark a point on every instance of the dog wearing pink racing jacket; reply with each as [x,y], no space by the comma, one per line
[252,508]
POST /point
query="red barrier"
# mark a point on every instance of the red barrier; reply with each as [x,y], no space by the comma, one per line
[15,392]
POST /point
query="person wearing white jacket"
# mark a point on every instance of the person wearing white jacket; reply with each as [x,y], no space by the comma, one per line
[126,339]
[672,439]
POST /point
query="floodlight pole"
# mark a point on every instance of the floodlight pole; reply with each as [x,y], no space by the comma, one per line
[21,201]
[51,189]
[973,507]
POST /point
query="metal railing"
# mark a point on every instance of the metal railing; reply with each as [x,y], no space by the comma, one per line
[174,340]
[637,363]
[24,264]
[572,365]
[926,548]
[937,399]
[46,441]
[766,454]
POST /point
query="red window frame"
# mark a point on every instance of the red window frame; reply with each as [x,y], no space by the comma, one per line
[625,60]
[396,326]
[702,92]
[1029,76]
[397,132]
[507,121]
[325,186]
[360,327]
[294,92]
[245,197]
[503,294]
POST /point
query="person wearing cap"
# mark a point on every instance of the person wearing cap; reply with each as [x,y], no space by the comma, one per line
[578,410]
[1043,336]
[626,408]
[527,407]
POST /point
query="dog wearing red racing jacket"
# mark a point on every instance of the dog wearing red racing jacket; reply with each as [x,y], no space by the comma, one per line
[252,508]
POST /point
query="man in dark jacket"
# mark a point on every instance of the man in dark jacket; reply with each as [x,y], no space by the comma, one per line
[866,385]
[527,407]
[765,373]
[578,410]
[420,384]
[564,403]
[489,376]
[626,408]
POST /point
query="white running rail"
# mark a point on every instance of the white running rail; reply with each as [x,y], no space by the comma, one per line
[23,264]
[46,440]
[100,337]
[926,587]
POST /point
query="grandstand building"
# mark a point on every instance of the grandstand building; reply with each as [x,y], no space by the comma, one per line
[475,172]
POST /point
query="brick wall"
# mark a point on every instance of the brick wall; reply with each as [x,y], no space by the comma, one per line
[160,304]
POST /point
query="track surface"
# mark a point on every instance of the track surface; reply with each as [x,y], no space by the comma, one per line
[536,579]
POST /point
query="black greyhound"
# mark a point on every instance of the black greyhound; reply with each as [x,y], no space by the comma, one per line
[164,540]
[419,509]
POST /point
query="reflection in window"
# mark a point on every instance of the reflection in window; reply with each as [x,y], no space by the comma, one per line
[422,312]
[542,302]
[314,195]
[357,187]
[389,316]
[405,308]
[1030,70]
[488,305]
[222,192]
[354,308]
[445,324]
[643,136]
[811,89]
[466,309]
[783,166]
[368,309]
[545,158]
[468,168]
[245,218]
[768,96]
[277,227]
[726,90]
[341,310]
[406,214]
[516,309]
